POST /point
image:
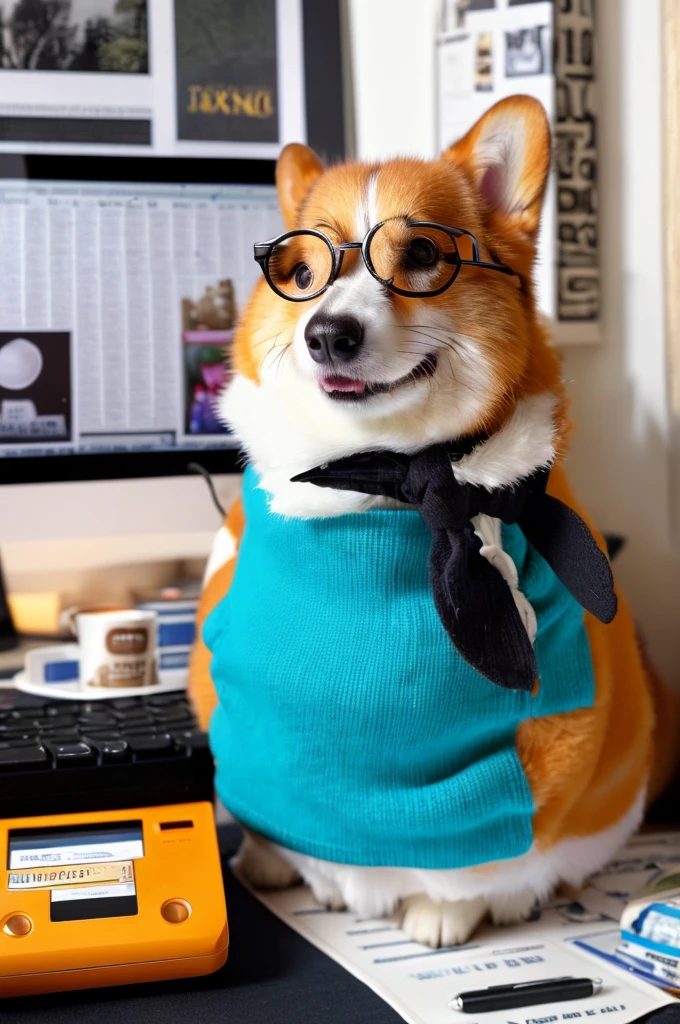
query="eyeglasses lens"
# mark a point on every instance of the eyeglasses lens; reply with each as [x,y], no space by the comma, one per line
[301,265]
[413,258]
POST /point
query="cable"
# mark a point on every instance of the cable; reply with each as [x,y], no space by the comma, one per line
[195,467]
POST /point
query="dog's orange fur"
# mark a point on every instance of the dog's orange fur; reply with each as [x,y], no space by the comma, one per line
[493,311]
[586,767]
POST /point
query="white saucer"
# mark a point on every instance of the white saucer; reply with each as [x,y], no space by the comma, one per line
[169,680]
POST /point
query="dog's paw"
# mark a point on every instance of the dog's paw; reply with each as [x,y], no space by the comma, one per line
[326,893]
[441,923]
[511,908]
[258,864]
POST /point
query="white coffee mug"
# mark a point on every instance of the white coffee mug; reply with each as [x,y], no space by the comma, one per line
[117,648]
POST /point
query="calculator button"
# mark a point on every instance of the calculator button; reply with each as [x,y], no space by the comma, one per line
[18,925]
[23,758]
[176,911]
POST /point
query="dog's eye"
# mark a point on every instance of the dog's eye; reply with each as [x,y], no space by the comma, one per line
[303,277]
[422,252]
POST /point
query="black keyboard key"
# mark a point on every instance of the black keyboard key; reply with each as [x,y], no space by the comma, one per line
[94,707]
[191,739]
[95,719]
[19,729]
[125,703]
[24,713]
[163,700]
[114,751]
[134,715]
[21,759]
[67,708]
[10,729]
[146,747]
[61,736]
[101,734]
[167,715]
[58,722]
[71,754]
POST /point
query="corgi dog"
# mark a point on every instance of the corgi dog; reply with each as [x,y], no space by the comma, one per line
[393,767]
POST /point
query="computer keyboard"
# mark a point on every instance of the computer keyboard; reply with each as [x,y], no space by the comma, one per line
[59,757]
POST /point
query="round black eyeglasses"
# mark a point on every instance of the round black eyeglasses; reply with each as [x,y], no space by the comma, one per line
[415,258]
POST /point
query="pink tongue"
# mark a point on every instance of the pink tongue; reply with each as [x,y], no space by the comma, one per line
[343,384]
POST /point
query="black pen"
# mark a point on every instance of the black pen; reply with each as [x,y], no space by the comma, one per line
[524,993]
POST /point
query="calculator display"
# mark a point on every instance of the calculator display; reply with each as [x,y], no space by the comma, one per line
[88,870]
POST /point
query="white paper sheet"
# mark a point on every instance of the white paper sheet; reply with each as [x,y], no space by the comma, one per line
[570,937]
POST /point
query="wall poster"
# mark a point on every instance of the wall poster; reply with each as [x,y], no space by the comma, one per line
[489,49]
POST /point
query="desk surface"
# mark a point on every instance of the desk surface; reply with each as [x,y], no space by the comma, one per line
[272,976]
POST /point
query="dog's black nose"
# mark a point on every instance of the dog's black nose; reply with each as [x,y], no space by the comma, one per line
[333,339]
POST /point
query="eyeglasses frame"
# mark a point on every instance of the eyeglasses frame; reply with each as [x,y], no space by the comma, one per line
[262,252]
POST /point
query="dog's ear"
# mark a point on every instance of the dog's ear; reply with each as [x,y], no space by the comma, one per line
[507,153]
[296,171]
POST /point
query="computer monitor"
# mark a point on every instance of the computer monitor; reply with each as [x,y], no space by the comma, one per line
[105,411]
[120,283]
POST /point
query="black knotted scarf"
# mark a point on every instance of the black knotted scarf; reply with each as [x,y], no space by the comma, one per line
[473,600]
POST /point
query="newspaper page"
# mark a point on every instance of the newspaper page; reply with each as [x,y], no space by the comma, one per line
[117,310]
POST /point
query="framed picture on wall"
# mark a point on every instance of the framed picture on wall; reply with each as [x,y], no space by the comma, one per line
[194,78]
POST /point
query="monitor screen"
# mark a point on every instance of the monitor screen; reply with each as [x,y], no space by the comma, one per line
[120,283]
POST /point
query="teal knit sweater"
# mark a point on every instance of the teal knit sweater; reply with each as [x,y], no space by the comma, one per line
[349,728]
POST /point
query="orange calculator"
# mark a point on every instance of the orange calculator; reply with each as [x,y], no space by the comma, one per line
[110,898]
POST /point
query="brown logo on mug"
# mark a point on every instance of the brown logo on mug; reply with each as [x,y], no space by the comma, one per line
[127,640]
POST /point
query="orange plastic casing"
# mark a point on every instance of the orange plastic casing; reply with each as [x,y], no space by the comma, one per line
[178,864]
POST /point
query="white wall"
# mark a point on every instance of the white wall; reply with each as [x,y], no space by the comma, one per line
[621,452]
[619,456]
[392,46]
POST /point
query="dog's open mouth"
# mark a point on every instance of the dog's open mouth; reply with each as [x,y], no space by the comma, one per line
[350,389]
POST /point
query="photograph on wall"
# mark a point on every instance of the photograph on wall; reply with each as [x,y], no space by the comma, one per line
[527,51]
[226,70]
[36,400]
[484,62]
[480,5]
[207,333]
[74,35]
